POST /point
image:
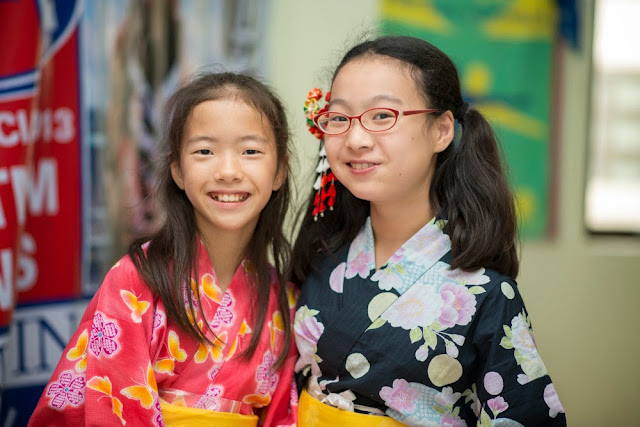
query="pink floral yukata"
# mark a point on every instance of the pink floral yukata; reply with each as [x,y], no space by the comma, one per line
[125,357]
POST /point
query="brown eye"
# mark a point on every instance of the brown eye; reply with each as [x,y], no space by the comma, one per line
[382,116]
[339,118]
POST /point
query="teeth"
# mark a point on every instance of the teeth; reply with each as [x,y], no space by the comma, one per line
[232,198]
[360,166]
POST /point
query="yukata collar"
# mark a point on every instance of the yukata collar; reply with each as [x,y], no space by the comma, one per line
[407,264]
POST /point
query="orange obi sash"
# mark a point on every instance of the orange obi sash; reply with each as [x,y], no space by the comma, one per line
[182,416]
[312,412]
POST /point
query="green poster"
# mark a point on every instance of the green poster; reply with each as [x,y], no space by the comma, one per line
[503,52]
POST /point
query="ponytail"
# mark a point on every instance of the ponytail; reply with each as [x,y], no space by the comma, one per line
[470,183]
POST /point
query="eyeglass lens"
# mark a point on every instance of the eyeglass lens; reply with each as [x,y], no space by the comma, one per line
[377,120]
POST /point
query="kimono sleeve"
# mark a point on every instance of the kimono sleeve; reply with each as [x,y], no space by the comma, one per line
[512,383]
[105,374]
[283,409]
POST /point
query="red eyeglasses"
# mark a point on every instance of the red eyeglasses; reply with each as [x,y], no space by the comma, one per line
[373,120]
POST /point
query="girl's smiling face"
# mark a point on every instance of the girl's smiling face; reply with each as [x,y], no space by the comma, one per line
[393,166]
[228,166]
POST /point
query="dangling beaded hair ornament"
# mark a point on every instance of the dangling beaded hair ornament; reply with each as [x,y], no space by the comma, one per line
[325,183]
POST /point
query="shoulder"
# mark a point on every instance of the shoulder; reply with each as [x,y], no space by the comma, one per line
[123,299]
[124,268]
[492,294]
[502,287]
[499,305]
[324,264]
[122,279]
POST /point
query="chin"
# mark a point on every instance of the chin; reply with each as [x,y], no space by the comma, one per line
[363,194]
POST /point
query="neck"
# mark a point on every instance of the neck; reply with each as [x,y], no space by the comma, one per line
[226,251]
[394,224]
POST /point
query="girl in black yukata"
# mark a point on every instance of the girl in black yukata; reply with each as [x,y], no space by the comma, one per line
[409,312]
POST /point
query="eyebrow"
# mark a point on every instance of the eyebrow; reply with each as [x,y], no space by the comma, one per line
[374,100]
[245,138]
[199,138]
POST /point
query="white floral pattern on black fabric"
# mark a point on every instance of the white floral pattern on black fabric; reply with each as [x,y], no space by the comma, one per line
[443,347]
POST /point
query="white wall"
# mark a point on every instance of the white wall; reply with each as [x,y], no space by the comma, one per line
[307,41]
[582,293]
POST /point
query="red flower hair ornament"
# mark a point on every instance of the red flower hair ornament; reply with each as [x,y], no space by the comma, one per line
[325,183]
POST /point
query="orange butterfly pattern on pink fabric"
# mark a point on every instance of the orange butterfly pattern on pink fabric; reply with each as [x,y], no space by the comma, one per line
[138,308]
[146,392]
[244,329]
[103,385]
[79,351]
[210,288]
[167,365]
[215,350]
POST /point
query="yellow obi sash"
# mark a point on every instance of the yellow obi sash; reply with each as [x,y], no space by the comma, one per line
[182,416]
[312,412]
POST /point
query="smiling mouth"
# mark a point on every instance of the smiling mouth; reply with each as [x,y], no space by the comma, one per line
[361,166]
[230,198]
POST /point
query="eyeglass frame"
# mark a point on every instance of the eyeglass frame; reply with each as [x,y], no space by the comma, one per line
[398,114]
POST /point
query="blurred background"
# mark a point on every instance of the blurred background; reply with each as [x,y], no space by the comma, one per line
[82,85]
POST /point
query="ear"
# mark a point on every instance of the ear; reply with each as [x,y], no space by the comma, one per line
[444,128]
[176,174]
[281,175]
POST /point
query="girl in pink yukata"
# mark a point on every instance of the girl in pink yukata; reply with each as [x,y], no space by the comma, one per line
[193,326]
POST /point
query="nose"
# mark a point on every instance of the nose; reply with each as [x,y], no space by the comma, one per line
[357,137]
[228,168]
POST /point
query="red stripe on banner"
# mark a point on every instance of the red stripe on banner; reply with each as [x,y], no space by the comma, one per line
[19,24]
[54,220]
[40,195]
[20,33]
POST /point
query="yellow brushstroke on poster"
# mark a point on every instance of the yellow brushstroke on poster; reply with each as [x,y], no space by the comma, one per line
[526,202]
[422,14]
[478,81]
[523,19]
[509,118]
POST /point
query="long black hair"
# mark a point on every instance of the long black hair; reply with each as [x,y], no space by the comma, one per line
[469,181]
[170,256]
